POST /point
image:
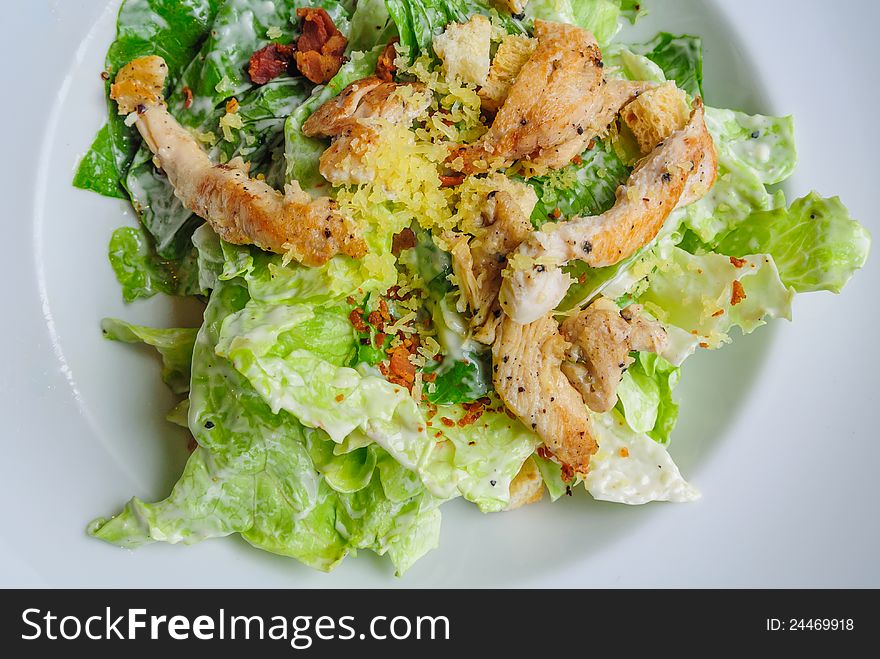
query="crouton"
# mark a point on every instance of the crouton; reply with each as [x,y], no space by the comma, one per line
[464,49]
[655,115]
[513,53]
[527,487]
[139,83]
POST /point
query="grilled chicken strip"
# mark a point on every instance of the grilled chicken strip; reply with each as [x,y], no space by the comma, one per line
[601,338]
[355,119]
[527,373]
[679,171]
[478,264]
[242,211]
[559,102]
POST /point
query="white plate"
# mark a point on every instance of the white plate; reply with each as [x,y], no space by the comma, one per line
[779,431]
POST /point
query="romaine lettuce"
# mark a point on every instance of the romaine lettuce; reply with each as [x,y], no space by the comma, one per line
[253,473]
[174,345]
[815,243]
[707,295]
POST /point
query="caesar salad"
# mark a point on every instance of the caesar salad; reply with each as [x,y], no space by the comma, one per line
[447,249]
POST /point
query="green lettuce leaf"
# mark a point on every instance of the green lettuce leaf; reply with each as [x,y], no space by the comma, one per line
[173,29]
[371,26]
[815,243]
[679,57]
[258,474]
[217,74]
[295,356]
[753,152]
[601,17]
[631,468]
[583,189]
[142,273]
[419,21]
[645,396]
[174,345]
[696,294]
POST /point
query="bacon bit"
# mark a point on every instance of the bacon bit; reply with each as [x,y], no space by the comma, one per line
[105,75]
[694,332]
[356,318]
[703,344]
[738,294]
[270,62]
[232,106]
[380,339]
[472,443]
[187,97]
[510,414]
[375,319]
[401,367]
[383,310]
[340,398]
[420,429]
[473,412]
[350,299]
[319,50]
[544,452]
[737,263]
[624,452]
[432,411]
[406,239]
[582,279]
[446,421]
[438,358]
[567,473]
[556,213]
[577,160]
[385,67]
[429,377]
[451,181]
[439,433]
[720,312]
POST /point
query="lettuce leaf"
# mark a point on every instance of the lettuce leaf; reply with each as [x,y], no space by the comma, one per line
[254,473]
[754,151]
[696,294]
[215,75]
[815,243]
[371,26]
[174,345]
[679,57]
[295,356]
[632,468]
[141,272]
[419,21]
[582,189]
[645,396]
[601,17]
[173,29]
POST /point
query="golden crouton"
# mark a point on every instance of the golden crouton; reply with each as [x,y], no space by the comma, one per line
[655,115]
[513,53]
[140,82]
[527,487]
[464,49]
